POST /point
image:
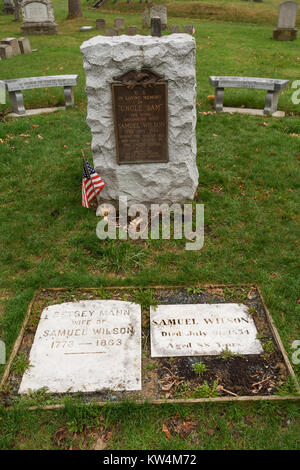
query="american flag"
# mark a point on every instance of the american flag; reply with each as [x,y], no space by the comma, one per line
[92,184]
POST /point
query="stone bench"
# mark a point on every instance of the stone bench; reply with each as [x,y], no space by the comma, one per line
[16,85]
[273,87]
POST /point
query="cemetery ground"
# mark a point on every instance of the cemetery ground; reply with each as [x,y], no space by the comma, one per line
[249,183]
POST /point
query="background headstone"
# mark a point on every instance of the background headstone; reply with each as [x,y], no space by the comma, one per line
[8,7]
[173,58]
[111,32]
[202,329]
[161,12]
[38,17]
[24,45]
[287,14]
[85,28]
[175,28]
[6,51]
[145,19]
[86,346]
[156,26]
[100,23]
[189,29]
[132,30]
[119,23]
[13,42]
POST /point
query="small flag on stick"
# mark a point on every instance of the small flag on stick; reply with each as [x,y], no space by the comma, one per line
[92,184]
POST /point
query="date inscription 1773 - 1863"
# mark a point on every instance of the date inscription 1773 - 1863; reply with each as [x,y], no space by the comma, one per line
[140,105]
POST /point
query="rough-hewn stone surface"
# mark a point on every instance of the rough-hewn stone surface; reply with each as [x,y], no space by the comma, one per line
[172,57]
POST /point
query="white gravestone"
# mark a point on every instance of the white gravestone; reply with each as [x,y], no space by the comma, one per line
[202,329]
[286,26]
[173,58]
[38,17]
[36,12]
[161,12]
[287,15]
[86,346]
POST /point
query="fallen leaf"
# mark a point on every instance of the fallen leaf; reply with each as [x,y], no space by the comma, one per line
[252,292]
[100,444]
[40,136]
[166,431]
[25,135]
[184,428]
[61,434]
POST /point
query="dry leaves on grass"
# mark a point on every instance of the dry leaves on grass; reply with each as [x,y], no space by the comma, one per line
[252,292]
[184,428]
[177,426]
[101,441]
[94,439]
[166,431]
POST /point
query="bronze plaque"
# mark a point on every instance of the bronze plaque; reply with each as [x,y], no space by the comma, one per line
[140,105]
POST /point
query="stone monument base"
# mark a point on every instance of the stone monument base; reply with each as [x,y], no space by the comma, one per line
[39,28]
[284,34]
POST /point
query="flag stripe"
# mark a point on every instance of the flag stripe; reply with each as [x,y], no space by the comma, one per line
[92,184]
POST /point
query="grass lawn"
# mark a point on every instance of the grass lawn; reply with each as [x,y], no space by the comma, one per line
[248,181]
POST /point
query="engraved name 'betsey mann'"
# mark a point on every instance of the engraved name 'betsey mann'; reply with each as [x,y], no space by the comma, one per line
[92,324]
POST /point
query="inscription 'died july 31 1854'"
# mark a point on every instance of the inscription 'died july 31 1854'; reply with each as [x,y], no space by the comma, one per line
[140,106]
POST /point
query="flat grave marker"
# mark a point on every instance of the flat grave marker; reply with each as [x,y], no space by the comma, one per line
[202,329]
[86,346]
[74,340]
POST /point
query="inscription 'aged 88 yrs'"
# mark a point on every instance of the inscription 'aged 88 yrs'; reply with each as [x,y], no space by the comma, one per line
[140,103]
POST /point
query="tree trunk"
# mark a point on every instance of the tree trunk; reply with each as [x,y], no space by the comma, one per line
[74,9]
